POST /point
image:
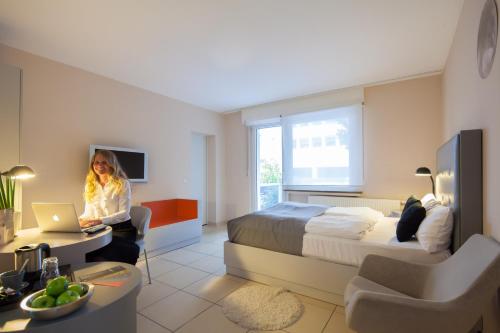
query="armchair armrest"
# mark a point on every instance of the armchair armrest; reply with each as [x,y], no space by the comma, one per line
[404,277]
[383,313]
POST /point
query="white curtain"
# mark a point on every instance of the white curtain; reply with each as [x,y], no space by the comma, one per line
[323,150]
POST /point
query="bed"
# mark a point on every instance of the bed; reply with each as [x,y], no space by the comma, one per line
[326,264]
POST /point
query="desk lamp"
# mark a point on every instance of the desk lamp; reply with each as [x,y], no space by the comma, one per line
[426,172]
[7,193]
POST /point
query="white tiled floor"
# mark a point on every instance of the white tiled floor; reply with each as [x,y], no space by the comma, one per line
[189,284]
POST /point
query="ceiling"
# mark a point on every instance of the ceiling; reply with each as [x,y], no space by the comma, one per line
[227,54]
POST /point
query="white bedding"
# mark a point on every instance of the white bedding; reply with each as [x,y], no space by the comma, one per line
[381,240]
[343,226]
[370,215]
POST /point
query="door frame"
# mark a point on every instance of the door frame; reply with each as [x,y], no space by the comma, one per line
[254,152]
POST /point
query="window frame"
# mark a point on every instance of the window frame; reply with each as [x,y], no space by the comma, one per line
[254,152]
[348,190]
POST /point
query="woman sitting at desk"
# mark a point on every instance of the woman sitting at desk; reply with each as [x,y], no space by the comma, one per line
[107,201]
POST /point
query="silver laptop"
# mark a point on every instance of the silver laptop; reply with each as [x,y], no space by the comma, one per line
[60,217]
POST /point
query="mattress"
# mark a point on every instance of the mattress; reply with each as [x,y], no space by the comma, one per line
[381,241]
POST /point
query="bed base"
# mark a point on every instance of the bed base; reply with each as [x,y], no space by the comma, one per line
[307,276]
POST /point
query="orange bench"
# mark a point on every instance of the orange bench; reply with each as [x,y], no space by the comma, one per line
[164,212]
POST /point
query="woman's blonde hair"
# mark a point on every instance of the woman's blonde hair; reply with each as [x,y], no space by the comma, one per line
[116,177]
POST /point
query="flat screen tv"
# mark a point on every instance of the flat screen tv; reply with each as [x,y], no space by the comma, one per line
[134,162]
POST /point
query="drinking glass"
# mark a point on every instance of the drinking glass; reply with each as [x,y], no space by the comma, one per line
[50,270]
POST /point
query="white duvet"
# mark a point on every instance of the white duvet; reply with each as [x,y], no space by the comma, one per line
[344,222]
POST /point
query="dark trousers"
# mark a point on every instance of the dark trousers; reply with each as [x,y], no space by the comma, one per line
[122,248]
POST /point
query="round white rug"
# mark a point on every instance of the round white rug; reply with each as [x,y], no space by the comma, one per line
[262,308]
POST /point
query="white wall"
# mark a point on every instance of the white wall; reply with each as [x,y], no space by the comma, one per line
[470,102]
[237,174]
[10,92]
[65,109]
[402,131]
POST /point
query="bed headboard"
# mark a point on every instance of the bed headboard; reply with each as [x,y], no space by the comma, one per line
[459,183]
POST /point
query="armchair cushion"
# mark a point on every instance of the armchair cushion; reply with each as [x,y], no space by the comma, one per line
[359,283]
[404,277]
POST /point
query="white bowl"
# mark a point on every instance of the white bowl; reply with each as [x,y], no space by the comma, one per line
[57,311]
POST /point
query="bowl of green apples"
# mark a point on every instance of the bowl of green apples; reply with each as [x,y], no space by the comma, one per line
[60,298]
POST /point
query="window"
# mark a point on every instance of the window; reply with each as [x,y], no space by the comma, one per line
[315,151]
[317,141]
[330,140]
[268,166]
[335,166]
[304,142]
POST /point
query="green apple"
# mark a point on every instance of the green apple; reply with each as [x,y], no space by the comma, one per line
[66,297]
[56,286]
[78,288]
[44,301]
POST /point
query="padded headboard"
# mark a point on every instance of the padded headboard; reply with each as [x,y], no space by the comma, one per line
[459,183]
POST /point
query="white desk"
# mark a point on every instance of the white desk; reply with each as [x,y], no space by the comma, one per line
[68,247]
[111,309]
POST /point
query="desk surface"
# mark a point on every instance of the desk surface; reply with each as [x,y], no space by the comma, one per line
[106,301]
[55,239]
[69,246]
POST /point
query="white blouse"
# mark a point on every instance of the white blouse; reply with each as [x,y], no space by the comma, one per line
[107,206]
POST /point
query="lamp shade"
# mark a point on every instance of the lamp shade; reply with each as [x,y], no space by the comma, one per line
[20,172]
[423,171]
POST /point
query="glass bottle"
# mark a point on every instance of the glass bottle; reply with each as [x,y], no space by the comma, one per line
[50,270]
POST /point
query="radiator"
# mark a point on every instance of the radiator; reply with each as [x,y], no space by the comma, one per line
[385,206]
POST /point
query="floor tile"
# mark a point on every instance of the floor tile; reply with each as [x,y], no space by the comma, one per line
[209,264]
[151,293]
[340,309]
[313,320]
[316,302]
[175,310]
[220,251]
[182,277]
[182,257]
[211,239]
[214,288]
[204,248]
[156,267]
[144,325]
[211,321]
[246,283]
[337,324]
[220,272]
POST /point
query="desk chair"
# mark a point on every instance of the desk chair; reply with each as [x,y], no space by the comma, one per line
[140,220]
[459,294]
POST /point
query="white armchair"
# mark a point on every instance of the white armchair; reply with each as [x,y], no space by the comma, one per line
[460,294]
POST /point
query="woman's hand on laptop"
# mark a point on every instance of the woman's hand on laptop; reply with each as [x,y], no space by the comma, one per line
[89,223]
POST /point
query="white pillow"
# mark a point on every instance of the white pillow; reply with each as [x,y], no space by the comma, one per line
[434,233]
[370,214]
[429,201]
[427,197]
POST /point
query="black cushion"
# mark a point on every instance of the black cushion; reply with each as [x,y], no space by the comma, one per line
[410,221]
[411,200]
